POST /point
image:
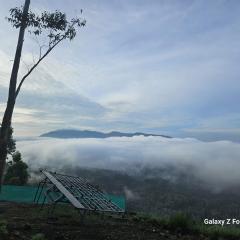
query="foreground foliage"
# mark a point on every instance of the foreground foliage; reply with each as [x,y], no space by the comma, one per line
[17,173]
[27,222]
[181,224]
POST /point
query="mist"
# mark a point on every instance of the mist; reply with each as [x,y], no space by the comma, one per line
[216,164]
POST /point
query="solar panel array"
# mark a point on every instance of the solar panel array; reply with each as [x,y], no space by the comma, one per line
[80,193]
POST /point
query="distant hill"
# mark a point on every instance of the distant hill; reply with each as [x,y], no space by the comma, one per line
[71,133]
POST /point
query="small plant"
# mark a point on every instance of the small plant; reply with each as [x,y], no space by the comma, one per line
[150,219]
[218,232]
[38,236]
[181,222]
[3,229]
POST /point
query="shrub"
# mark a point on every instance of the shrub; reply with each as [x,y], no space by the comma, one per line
[38,236]
[218,232]
[181,222]
[17,173]
[3,229]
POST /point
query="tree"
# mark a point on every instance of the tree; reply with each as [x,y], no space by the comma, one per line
[17,173]
[57,28]
[11,144]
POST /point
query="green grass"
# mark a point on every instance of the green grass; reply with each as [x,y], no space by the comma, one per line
[216,232]
[185,224]
[3,229]
[38,236]
[179,222]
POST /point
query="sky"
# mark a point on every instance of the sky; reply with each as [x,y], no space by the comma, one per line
[157,66]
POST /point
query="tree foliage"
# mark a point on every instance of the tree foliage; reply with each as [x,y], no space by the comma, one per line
[54,25]
[17,173]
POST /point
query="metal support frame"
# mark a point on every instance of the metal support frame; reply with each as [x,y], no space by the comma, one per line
[55,188]
[39,190]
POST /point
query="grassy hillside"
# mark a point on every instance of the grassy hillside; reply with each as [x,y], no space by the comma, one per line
[27,222]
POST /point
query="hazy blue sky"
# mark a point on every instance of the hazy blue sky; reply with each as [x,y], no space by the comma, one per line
[168,67]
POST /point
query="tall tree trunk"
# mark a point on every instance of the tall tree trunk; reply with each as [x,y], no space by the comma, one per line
[7,117]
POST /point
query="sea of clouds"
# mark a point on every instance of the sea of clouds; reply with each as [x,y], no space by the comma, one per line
[215,163]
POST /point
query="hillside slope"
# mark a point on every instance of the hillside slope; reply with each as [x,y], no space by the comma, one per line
[27,222]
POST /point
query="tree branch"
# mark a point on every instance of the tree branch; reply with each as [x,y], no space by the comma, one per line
[35,65]
[27,66]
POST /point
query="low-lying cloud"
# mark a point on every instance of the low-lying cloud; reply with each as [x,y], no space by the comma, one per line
[215,163]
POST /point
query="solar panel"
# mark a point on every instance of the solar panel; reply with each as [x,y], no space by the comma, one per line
[75,190]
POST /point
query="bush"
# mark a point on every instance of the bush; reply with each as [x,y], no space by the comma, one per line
[17,173]
[218,232]
[38,236]
[3,229]
[181,222]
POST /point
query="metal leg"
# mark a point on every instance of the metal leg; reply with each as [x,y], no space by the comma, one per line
[36,192]
[41,190]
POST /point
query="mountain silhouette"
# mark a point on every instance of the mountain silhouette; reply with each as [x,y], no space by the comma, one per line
[72,133]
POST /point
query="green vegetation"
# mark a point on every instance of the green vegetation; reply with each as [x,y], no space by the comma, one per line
[38,236]
[17,173]
[217,232]
[68,224]
[3,229]
[181,223]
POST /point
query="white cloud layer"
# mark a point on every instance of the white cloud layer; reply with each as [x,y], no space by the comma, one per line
[214,163]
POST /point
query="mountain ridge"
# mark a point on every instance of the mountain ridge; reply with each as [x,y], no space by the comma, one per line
[75,133]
